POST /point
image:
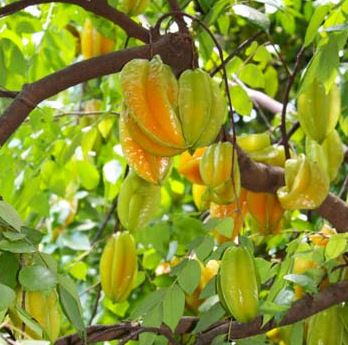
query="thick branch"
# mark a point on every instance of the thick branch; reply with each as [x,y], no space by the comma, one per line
[300,310]
[100,8]
[260,177]
[175,50]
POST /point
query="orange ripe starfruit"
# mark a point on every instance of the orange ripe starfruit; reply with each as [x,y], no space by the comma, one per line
[189,165]
[266,211]
[153,169]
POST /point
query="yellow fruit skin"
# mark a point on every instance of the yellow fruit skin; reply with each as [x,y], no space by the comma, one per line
[306,184]
[318,111]
[138,202]
[197,193]
[153,169]
[237,284]
[43,307]
[322,237]
[325,328]
[207,273]
[201,107]
[266,211]
[150,94]
[118,266]
[93,43]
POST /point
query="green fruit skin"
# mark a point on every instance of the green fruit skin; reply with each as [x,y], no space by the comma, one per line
[237,286]
[325,328]
[318,111]
[118,266]
[138,202]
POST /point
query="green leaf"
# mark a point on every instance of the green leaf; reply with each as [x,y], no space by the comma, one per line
[70,302]
[9,267]
[19,246]
[263,267]
[303,281]
[37,278]
[88,173]
[79,270]
[240,100]
[147,303]
[260,339]
[7,297]
[252,15]
[173,306]
[209,317]
[202,246]
[13,236]
[252,76]
[297,331]
[153,318]
[29,321]
[335,247]
[190,276]
[9,216]
[316,20]
[225,227]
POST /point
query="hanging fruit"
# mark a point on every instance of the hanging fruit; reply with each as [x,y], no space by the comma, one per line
[329,154]
[118,266]
[43,307]
[237,284]
[134,7]
[169,112]
[189,165]
[326,327]
[153,169]
[93,43]
[138,202]
[198,191]
[266,212]
[306,185]
[219,170]
[319,110]
[202,108]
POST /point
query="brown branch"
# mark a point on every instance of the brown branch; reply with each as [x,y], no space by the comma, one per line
[8,94]
[260,177]
[175,7]
[98,7]
[175,50]
[300,310]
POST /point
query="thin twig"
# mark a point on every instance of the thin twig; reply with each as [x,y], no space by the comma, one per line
[243,45]
[105,221]
[175,7]
[286,101]
[291,132]
[8,94]
[343,188]
[96,304]
[87,113]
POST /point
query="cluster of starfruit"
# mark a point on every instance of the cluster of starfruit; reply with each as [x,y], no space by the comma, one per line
[93,43]
[308,177]
[216,183]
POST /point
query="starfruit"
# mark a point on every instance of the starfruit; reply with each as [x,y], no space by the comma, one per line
[138,202]
[208,272]
[43,307]
[150,93]
[237,284]
[319,110]
[219,170]
[306,184]
[189,165]
[266,212]
[329,154]
[198,191]
[118,266]
[234,210]
[134,7]
[259,148]
[322,237]
[326,327]
[93,43]
[151,168]
[202,108]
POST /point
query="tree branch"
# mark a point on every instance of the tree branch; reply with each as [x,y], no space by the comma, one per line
[100,8]
[300,310]
[175,50]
